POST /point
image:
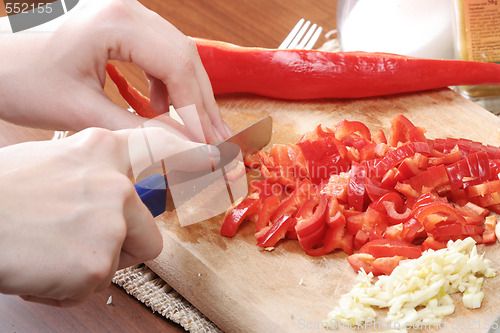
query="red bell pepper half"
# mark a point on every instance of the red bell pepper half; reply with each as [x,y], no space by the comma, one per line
[307,74]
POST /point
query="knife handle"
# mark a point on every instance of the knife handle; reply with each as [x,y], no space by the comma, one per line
[153,193]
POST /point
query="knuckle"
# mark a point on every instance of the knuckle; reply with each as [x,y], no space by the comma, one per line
[185,64]
[119,186]
[113,11]
[111,17]
[98,139]
[191,47]
[98,271]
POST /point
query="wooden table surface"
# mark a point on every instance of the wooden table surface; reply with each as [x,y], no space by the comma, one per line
[245,22]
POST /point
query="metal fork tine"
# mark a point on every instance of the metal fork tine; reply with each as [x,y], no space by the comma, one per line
[299,36]
[296,38]
[291,35]
[308,35]
[314,39]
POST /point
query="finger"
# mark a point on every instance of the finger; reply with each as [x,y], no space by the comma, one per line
[171,63]
[55,302]
[107,280]
[95,109]
[143,241]
[140,148]
[210,107]
[210,104]
[191,118]
[41,300]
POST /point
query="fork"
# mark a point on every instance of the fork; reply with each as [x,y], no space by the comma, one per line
[298,38]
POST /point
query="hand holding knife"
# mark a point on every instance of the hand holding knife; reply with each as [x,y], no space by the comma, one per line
[153,189]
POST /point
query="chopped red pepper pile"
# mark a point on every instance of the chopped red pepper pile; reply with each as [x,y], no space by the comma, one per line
[387,198]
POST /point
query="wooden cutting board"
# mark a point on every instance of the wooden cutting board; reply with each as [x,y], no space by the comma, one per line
[242,288]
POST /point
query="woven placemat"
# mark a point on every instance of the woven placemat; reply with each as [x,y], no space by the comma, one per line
[142,283]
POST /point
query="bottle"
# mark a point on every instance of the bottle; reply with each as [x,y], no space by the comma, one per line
[477,38]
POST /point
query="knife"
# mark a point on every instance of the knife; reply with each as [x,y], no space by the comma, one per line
[153,189]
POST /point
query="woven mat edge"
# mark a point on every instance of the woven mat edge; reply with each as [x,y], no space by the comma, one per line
[143,284]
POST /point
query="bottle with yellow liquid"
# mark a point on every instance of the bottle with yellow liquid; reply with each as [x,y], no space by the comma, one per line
[477,38]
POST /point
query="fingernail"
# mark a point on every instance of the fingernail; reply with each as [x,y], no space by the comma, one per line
[214,155]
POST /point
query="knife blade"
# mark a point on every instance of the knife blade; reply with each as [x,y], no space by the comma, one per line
[153,189]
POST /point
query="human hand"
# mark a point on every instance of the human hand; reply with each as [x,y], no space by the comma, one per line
[70,216]
[55,80]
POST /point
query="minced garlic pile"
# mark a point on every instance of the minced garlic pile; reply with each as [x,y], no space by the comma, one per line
[418,291]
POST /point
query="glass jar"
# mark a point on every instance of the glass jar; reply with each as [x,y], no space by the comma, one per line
[477,38]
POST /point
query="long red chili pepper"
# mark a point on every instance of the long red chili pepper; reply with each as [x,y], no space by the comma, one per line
[132,96]
[301,74]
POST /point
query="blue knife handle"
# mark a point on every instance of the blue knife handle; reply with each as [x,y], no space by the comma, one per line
[153,193]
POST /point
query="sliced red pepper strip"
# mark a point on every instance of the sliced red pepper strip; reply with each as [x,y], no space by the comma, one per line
[431,243]
[292,204]
[412,229]
[445,158]
[472,170]
[374,189]
[483,189]
[269,207]
[436,213]
[323,158]
[335,216]
[354,222]
[311,224]
[299,162]
[335,238]
[356,190]
[454,230]
[309,74]
[352,129]
[274,233]
[403,130]
[283,165]
[396,156]
[252,160]
[392,204]
[489,235]
[337,186]
[132,96]
[389,248]
[265,188]
[237,215]
[379,137]
[376,266]
[434,178]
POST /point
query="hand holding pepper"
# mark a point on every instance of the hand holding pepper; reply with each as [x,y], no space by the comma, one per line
[70,216]
[55,80]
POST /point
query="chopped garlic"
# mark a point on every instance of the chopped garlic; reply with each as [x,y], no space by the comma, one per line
[424,283]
